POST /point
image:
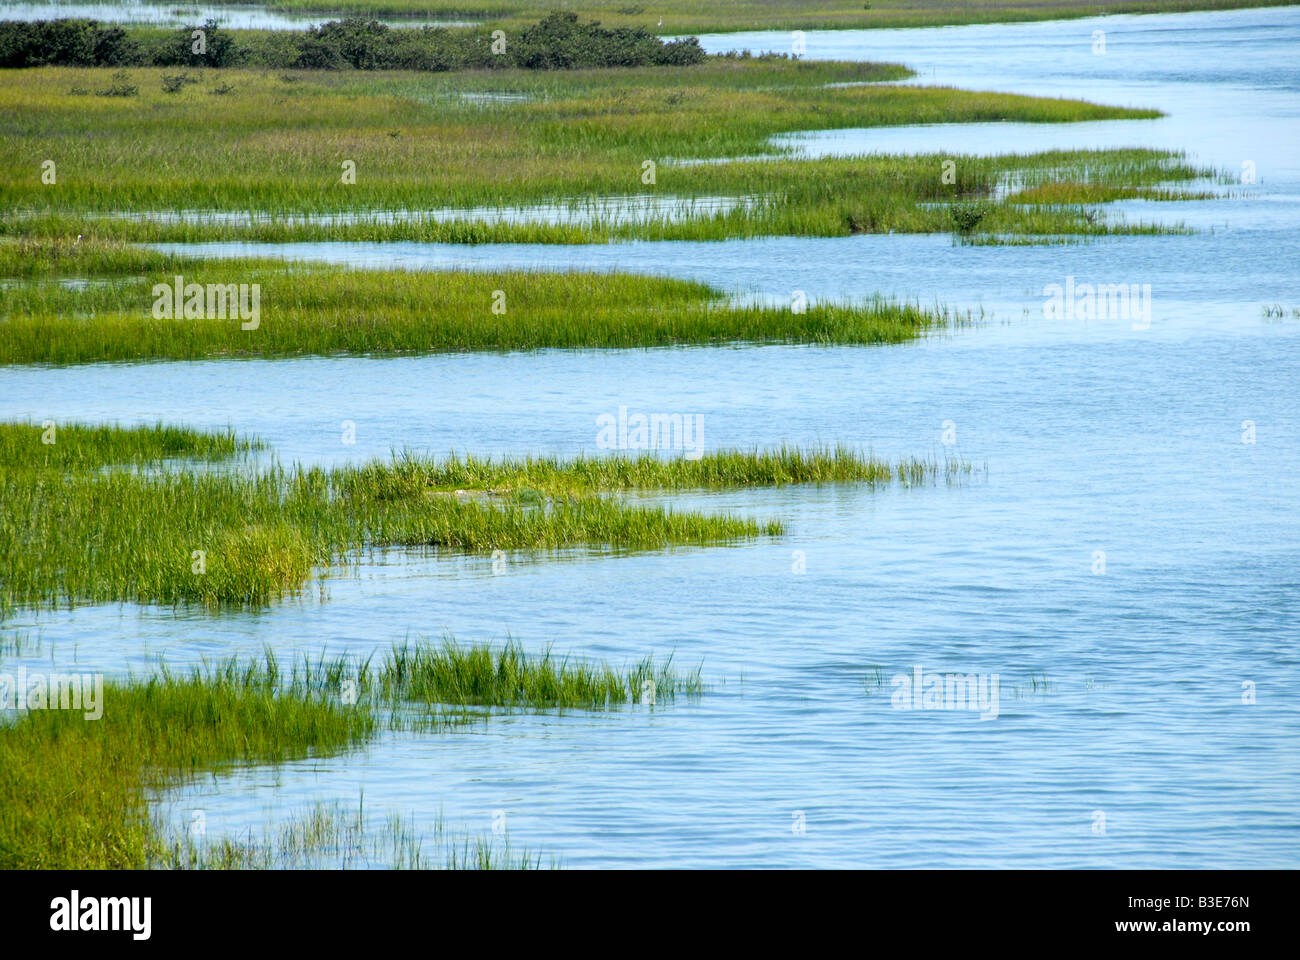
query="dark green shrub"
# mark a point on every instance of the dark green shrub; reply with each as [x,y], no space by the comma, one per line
[179,49]
[113,47]
[66,42]
[680,53]
[967,216]
[315,53]
[560,42]
[121,86]
[557,42]
[364,44]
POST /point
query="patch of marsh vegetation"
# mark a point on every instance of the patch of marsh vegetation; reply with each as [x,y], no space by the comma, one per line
[372,145]
[408,476]
[75,792]
[77,531]
[1063,178]
[75,446]
[316,309]
[83,523]
[507,677]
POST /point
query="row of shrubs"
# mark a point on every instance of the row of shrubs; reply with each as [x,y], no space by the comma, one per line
[559,42]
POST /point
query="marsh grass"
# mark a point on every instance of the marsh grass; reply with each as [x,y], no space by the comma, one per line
[507,677]
[73,531]
[408,476]
[1095,193]
[52,813]
[247,539]
[84,524]
[74,446]
[555,136]
[325,310]
[682,16]
[73,791]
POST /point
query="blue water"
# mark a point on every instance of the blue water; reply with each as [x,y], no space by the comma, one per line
[1096,437]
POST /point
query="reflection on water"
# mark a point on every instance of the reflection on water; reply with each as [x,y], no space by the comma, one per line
[182,14]
[638,208]
[1100,440]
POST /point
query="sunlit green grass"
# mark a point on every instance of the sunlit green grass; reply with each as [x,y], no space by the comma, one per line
[233,538]
[409,476]
[75,446]
[74,530]
[73,791]
[421,142]
[481,676]
[314,309]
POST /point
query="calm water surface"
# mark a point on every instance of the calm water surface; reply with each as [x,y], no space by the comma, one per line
[1096,437]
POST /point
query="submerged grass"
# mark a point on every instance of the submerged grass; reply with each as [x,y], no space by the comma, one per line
[332,837]
[70,533]
[310,309]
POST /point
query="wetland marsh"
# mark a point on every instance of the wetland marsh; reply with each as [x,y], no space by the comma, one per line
[659,661]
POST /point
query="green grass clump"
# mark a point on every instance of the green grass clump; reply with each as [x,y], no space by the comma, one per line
[73,531]
[73,791]
[74,446]
[408,476]
[54,258]
[312,309]
[462,676]
[1066,193]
